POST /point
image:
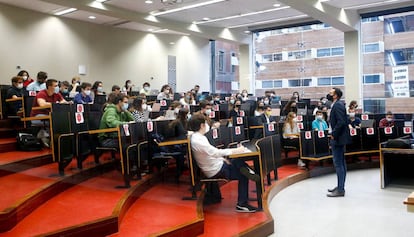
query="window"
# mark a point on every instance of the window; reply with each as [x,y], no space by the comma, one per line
[307,82]
[399,56]
[375,106]
[278,84]
[267,58]
[338,51]
[300,82]
[324,81]
[277,57]
[267,84]
[372,48]
[337,80]
[221,61]
[327,81]
[294,83]
[369,79]
[323,52]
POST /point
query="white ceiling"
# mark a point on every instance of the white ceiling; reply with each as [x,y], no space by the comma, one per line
[133,14]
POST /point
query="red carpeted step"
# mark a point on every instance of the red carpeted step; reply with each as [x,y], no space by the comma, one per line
[8,144]
[16,161]
[158,209]
[88,201]
[7,132]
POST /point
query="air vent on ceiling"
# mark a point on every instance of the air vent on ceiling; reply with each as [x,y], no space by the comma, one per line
[171,2]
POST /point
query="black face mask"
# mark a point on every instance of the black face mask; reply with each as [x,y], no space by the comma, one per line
[238,106]
[329,97]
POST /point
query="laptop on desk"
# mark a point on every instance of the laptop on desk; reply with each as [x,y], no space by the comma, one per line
[156,107]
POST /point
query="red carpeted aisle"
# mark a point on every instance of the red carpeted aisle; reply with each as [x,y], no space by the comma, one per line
[158,209]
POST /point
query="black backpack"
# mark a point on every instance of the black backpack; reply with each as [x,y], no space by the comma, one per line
[28,142]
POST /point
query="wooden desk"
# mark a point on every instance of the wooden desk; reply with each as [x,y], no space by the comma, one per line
[254,155]
[387,166]
[173,142]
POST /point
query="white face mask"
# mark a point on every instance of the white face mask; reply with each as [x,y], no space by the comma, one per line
[129,84]
[188,116]
[25,78]
[294,119]
[20,85]
[319,117]
[56,89]
[266,102]
[144,106]
[146,88]
[167,91]
[351,115]
[100,89]
[87,92]
[208,111]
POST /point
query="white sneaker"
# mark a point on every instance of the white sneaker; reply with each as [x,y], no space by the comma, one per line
[301,163]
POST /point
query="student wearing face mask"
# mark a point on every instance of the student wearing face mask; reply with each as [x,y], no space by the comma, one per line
[235,112]
[84,97]
[14,92]
[289,107]
[146,89]
[177,129]
[165,93]
[266,101]
[291,133]
[26,78]
[127,88]
[64,90]
[115,114]
[45,98]
[388,121]
[244,95]
[74,88]
[319,124]
[266,117]
[137,109]
[352,107]
[353,122]
[259,109]
[187,99]
[39,84]
[97,89]
[213,164]
[205,110]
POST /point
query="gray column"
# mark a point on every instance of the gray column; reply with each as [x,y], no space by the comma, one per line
[352,67]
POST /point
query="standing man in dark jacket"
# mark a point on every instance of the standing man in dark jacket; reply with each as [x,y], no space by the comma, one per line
[339,138]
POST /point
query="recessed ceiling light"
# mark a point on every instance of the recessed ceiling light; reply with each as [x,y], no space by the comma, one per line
[201,4]
[151,29]
[206,19]
[66,11]
[242,15]
[172,43]
[276,5]
[247,32]
[148,2]
[92,17]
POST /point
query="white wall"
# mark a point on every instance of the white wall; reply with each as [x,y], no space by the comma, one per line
[57,45]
